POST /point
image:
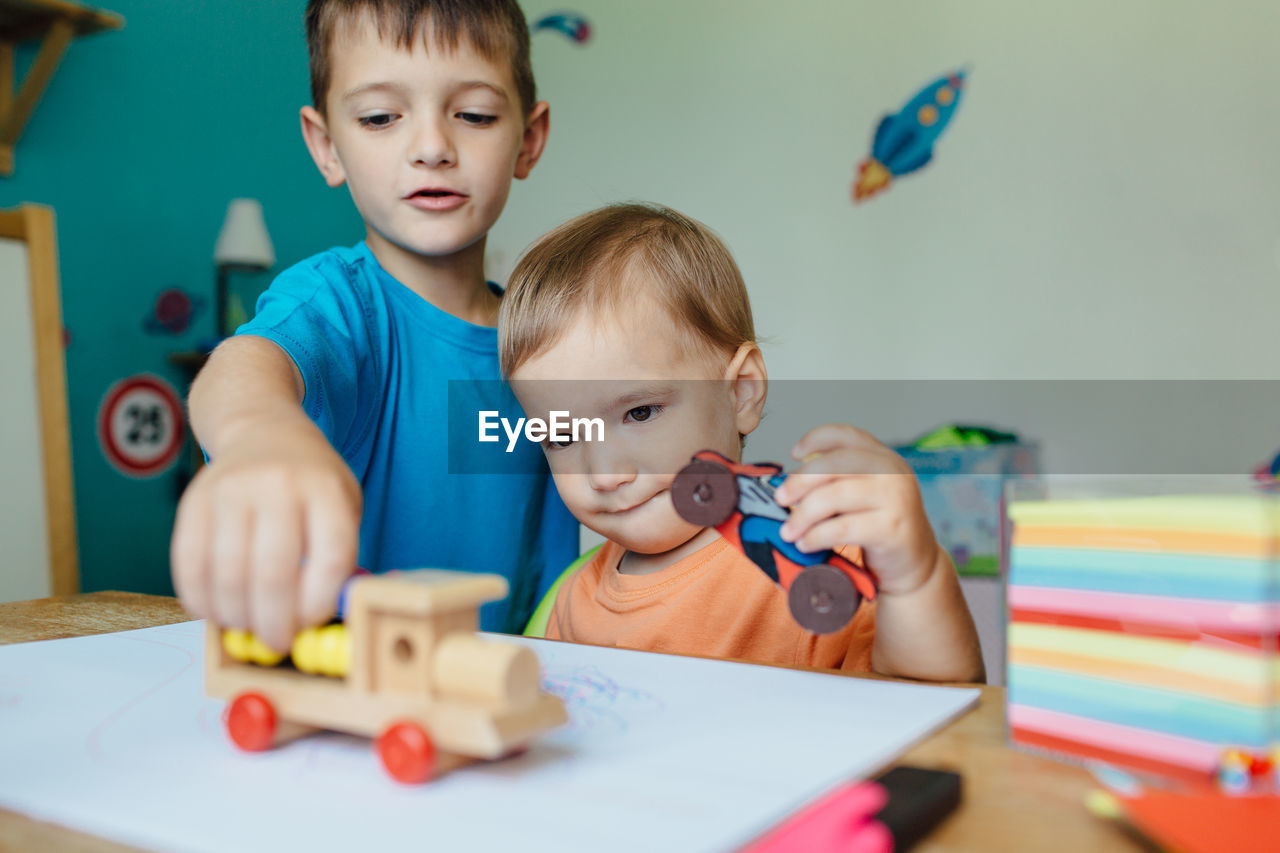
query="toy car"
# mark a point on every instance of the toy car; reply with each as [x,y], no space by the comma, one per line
[406,667]
[823,588]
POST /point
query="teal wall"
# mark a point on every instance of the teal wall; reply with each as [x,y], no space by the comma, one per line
[141,139]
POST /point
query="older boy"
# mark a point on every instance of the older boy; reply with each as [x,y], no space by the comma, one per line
[645,314]
[334,397]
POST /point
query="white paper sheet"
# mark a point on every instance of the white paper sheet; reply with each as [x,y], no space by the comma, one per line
[113,735]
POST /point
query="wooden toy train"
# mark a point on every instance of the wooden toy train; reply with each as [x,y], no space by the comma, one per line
[405,667]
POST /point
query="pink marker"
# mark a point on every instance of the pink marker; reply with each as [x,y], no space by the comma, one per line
[888,814]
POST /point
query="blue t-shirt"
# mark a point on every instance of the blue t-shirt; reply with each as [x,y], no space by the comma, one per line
[380,363]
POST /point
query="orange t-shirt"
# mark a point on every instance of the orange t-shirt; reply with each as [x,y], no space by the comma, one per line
[714,603]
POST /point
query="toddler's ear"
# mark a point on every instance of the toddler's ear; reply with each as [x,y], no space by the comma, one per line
[315,132]
[749,383]
[536,129]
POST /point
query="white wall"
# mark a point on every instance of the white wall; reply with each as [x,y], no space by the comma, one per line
[1104,203]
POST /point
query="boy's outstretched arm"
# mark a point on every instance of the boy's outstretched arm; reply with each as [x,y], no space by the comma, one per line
[856,491]
[266,533]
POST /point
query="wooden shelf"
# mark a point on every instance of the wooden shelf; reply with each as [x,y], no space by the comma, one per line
[22,20]
[53,23]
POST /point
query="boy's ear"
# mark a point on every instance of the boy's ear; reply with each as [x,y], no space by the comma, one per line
[749,383]
[315,132]
[536,129]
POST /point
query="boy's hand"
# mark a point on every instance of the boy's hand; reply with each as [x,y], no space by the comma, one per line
[856,491]
[266,534]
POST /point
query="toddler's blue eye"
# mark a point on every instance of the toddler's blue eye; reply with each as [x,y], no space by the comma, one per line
[478,119]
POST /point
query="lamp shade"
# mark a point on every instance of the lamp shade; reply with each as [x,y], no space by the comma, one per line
[243,240]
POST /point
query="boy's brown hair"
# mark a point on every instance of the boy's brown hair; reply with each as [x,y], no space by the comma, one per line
[496,29]
[584,265]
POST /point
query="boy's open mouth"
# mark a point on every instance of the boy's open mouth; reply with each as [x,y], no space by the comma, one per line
[435,198]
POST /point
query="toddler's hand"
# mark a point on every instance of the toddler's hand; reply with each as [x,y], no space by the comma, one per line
[856,491]
[266,534]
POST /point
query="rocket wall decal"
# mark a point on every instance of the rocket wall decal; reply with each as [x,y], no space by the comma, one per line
[903,142]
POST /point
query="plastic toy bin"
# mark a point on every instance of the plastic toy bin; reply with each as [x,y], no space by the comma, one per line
[962,489]
[1143,619]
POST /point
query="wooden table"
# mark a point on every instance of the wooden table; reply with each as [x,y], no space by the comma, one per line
[1012,801]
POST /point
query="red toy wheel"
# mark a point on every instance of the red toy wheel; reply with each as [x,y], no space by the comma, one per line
[704,493]
[407,753]
[251,722]
[823,599]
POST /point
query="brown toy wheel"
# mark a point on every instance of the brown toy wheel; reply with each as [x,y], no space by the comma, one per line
[823,599]
[704,493]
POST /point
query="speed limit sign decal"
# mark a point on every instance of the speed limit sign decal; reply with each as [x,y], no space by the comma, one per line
[140,425]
